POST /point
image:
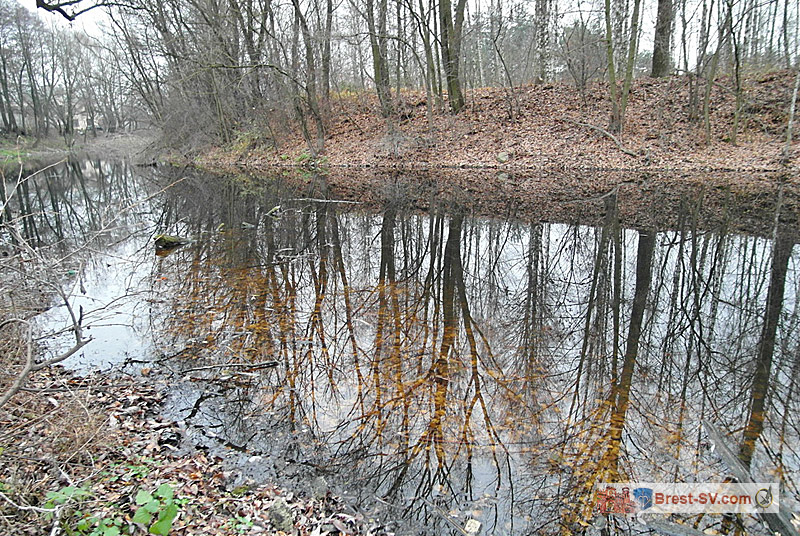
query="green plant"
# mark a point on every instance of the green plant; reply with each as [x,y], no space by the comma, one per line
[113,526]
[303,157]
[156,511]
[65,494]
[244,141]
[127,471]
[242,524]
[159,505]
[78,523]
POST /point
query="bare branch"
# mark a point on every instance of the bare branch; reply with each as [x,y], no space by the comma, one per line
[26,369]
[606,133]
[27,508]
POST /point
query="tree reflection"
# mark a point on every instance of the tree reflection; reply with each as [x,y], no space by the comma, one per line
[781,253]
[68,205]
[448,363]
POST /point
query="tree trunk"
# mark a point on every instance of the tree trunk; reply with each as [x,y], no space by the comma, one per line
[633,47]
[311,81]
[326,55]
[622,389]
[6,105]
[615,123]
[781,253]
[662,59]
[542,35]
[451,28]
[378,44]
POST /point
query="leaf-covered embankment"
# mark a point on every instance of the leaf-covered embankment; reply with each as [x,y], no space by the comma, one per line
[540,127]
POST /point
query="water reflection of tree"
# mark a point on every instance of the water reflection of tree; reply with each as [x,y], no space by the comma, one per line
[441,355]
[69,213]
[403,370]
[68,205]
[704,314]
[597,456]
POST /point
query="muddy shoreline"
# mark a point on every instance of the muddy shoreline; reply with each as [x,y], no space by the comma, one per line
[743,202]
[126,447]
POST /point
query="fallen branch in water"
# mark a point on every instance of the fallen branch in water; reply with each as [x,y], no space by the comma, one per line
[315,200]
[778,523]
[265,364]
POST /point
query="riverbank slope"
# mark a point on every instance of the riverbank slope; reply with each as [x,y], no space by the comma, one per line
[540,127]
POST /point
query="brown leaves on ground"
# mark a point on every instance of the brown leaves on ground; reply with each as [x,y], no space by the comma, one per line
[550,126]
[101,435]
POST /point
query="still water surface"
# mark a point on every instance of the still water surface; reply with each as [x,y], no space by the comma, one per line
[434,365]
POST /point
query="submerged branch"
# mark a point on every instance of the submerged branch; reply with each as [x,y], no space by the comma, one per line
[265,364]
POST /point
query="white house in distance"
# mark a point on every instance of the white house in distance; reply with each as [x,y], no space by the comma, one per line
[82,121]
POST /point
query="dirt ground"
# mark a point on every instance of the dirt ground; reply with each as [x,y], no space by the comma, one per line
[539,152]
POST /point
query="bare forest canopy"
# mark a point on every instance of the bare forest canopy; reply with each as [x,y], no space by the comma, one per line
[207,70]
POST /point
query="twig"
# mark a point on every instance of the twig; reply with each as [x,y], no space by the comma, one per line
[57,520]
[265,364]
[26,369]
[30,366]
[22,179]
[606,133]
[613,191]
[444,515]
[325,200]
[52,390]
[27,508]
[69,353]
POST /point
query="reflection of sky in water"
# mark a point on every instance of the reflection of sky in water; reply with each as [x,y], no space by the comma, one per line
[94,221]
[112,291]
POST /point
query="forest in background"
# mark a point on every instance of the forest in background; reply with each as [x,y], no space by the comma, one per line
[207,70]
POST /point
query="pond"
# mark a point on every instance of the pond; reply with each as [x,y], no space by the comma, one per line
[438,356]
